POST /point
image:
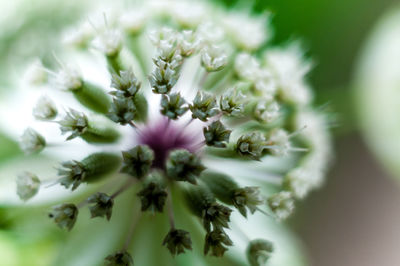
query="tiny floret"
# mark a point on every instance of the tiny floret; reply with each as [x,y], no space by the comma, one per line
[125,84]
[216,241]
[259,251]
[75,123]
[204,106]
[45,109]
[137,161]
[282,204]
[173,106]
[251,145]
[120,258]
[184,166]
[153,197]
[64,215]
[216,135]
[213,58]
[102,205]
[28,185]
[177,241]
[32,141]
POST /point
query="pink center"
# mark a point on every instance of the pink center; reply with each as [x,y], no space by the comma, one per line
[166,136]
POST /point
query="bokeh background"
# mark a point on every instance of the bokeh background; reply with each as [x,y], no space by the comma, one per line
[354,219]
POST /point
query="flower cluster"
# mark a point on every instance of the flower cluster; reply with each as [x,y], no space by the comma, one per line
[189,91]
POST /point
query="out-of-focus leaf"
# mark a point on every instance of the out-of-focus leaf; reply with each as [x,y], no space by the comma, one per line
[8,148]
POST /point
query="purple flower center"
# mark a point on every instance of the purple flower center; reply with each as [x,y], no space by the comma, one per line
[166,136]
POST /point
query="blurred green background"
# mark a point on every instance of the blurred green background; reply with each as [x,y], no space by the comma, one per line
[338,224]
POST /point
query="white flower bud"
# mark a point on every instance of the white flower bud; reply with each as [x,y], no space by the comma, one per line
[246,66]
[35,74]
[68,78]
[45,109]
[188,43]
[79,36]
[213,58]
[108,42]
[280,140]
[210,33]
[32,142]
[267,111]
[189,14]
[282,204]
[28,185]
[247,32]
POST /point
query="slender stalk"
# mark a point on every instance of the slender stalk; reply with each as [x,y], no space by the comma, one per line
[124,187]
[170,209]
[135,219]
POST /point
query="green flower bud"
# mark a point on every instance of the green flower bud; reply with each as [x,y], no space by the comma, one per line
[251,145]
[93,131]
[184,166]
[172,105]
[216,135]
[217,240]
[120,258]
[231,103]
[126,84]
[32,141]
[64,215]
[213,58]
[74,122]
[259,251]
[204,106]
[153,196]
[137,161]
[123,110]
[282,204]
[103,205]
[45,109]
[201,201]
[28,185]
[90,169]
[177,241]
[228,191]
[164,77]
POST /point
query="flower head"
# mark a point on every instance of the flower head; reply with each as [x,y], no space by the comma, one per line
[184,112]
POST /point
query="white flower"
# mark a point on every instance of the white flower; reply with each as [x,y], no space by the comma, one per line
[267,111]
[45,109]
[289,70]
[28,185]
[213,58]
[282,204]
[109,42]
[35,74]
[247,32]
[280,140]
[68,78]
[210,32]
[32,142]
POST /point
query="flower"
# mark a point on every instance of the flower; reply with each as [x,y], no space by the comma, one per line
[191,139]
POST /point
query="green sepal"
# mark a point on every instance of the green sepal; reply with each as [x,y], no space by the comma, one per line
[198,198]
[221,185]
[93,97]
[98,165]
[100,132]
[114,63]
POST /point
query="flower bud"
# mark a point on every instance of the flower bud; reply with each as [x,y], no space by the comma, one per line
[64,215]
[125,83]
[251,145]
[204,106]
[45,109]
[177,241]
[90,169]
[213,58]
[163,77]
[172,105]
[96,131]
[32,141]
[216,135]
[103,205]
[282,204]
[231,103]
[120,258]
[153,196]
[266,111]
[184,166]
[217,240]
[259,251]
[137,161]
[228,191]
[28,185]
